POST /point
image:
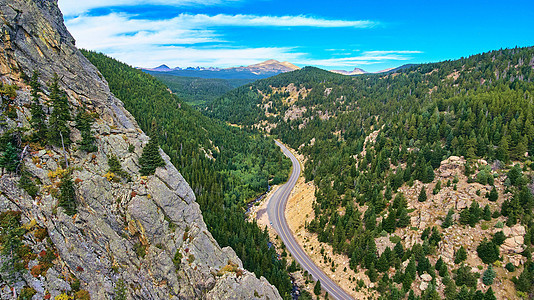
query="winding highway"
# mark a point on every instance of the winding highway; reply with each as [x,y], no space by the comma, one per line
[276,212]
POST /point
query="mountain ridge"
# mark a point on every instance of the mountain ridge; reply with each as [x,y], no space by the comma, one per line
[141,237]
[266,67]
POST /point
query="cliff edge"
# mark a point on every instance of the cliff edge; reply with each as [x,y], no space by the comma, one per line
[139,239]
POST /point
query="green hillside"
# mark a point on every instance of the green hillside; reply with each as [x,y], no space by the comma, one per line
[225,166]
[196,90]
[480,107]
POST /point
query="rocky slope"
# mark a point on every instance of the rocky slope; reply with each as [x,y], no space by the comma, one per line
[144,238]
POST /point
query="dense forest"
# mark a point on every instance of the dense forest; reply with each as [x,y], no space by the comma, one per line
[225,166]
[196,90]
[479,107]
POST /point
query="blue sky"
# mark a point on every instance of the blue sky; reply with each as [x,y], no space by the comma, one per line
[334,34]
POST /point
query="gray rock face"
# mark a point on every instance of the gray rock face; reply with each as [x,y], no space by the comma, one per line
[146,236]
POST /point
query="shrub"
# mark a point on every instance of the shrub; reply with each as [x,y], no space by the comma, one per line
[82,295]
[140,250]
[120,290]
[448,219]
[498,238]
[27,293]
[116,168]
[63,296]
[26,183]
[177,259]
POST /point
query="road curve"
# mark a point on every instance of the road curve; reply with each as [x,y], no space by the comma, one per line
[276,212]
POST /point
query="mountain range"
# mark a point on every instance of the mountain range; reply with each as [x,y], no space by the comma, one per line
[256,71]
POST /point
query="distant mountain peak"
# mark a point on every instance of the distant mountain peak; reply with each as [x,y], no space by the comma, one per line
[273,65]
[356,71]
[264,69]
[162,68]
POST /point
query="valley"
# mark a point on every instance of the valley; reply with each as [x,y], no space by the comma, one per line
[403,165]
[269,180]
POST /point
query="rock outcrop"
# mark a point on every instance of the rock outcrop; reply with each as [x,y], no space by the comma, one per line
[144,238]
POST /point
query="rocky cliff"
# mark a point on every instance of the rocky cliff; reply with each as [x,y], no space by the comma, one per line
[141,239]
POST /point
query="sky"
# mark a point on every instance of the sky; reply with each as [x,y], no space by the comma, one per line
[333,35]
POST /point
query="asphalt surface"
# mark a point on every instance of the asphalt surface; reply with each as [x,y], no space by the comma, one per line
[276,213]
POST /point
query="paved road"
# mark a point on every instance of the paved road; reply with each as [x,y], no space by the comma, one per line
[276,212]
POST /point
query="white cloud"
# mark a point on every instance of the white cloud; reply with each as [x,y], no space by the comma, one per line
[269,21]
[182,41]
[151,56]
[76,7]
[193,40]
[366,58]
[120,30]
[380,52]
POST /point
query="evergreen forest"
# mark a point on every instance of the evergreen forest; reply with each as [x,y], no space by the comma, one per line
[196,90]
[225,166]
[368,137]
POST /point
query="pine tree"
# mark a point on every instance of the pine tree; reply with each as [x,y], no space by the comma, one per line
[465,216]
[448,219]
[450,288]
[439,263]
[150,158]
[399,250]
[371,273]
[474,213]
[9,160]
[317,288]
[84,121]
[490,295]
[488,251]
[116,168]
[422,195]
[67,197]
[409,274]
[404,218]
[383,264]
[37,121]
[370,218]
[488,276]
[460,255]
[493,195]
[486,213]
[389,223]
[58,130]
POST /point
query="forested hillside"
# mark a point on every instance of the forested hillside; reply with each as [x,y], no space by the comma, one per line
[370,140]
[196,90]
[225,166]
